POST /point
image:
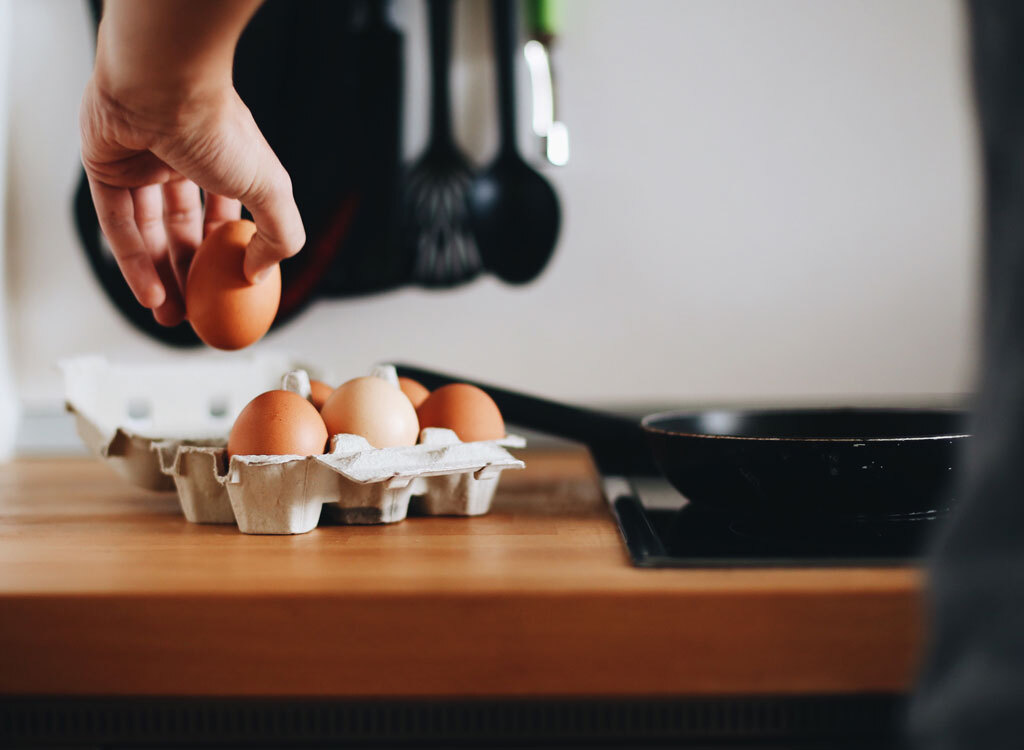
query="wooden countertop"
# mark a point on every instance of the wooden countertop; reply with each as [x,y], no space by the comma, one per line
[107,590]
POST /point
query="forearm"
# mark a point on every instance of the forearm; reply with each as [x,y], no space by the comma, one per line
[151,49]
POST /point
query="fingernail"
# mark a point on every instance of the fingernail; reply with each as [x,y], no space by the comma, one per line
[262,276]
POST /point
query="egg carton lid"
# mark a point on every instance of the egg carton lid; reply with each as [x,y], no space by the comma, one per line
[186,400]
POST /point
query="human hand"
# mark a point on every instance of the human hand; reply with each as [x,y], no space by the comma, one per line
[150,143]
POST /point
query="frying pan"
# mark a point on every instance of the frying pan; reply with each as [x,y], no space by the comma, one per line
[825,464]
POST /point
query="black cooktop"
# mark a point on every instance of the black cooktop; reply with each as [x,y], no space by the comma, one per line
[661,531]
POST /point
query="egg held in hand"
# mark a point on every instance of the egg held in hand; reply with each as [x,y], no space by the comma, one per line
[225,310]
[319,392]
[373,408]
[464,408]
[278,423]
[414,390]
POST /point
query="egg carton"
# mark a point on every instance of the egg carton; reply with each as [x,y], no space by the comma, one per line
[178,442]
[354,483]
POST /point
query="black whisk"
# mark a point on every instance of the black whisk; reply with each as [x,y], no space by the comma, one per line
[436,226]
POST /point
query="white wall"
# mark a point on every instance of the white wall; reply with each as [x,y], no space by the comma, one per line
[766,200]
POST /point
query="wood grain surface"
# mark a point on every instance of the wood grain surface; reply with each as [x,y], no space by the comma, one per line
[107,590]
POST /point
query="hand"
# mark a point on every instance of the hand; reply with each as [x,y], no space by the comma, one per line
[148,147]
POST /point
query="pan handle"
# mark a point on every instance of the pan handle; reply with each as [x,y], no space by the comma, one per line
[617,443]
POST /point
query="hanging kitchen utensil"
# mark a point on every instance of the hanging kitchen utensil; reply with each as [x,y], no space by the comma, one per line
[368,126]
[541,29]
[818,465]
[515,212]
[283,61]
[436,229]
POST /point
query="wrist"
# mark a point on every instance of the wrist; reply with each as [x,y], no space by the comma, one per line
[155,91]
[162,55]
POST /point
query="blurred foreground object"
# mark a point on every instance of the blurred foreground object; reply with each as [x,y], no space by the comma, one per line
[971,692]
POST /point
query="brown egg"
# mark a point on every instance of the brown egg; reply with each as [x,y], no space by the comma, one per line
[417,393]
[373,408]
[319,393]
[464,408]
[225,310]
[278,423]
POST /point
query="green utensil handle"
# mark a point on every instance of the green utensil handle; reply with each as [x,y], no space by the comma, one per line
[542,18]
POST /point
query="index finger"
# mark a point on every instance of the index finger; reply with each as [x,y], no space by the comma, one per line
[279,231]
[115,209]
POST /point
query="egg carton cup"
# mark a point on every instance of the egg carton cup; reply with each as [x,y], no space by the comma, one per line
[354,483]
[135,416]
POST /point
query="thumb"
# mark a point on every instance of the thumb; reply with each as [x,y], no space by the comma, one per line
[279,231]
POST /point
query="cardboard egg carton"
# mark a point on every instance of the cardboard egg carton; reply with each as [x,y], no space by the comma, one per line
[354,483]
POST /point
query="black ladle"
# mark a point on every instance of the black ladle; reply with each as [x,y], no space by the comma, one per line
[514,211]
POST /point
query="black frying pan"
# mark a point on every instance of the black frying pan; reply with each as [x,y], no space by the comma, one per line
[812,463]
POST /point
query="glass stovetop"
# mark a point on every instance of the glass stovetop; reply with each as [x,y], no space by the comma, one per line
[660,531]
